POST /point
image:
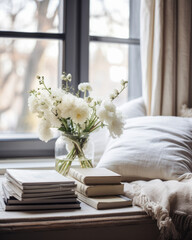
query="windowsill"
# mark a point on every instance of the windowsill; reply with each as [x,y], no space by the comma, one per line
[132,220]
[26,163]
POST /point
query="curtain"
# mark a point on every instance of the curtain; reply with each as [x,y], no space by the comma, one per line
[166,55]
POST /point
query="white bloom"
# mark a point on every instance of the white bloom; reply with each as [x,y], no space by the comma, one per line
[44,101]
[115,91]
[72,107]
[80,112]
[57,94]
[84,86]
[45,133]
[123,82]
[95,101]
[69,77]
[116,126]
[54,121]
[106,111]
[112,96]
[66,106]
[40,103]
[108,114]
[33,103]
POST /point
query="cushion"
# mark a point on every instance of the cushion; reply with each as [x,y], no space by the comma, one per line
[100,138]
[151,147]
[133,108]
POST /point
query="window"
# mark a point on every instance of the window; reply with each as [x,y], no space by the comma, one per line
[31,38]
[46,37]
[114,47]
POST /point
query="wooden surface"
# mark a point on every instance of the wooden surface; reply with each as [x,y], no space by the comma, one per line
[85,224]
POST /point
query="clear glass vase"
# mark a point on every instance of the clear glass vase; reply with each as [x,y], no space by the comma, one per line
[73,150]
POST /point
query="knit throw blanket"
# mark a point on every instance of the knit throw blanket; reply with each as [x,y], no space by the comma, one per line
[169,202]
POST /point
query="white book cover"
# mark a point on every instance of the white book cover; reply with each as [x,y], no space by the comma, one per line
[94,175]
[36,177]
[9,194]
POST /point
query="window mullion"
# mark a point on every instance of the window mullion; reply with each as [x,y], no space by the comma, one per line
[77,39]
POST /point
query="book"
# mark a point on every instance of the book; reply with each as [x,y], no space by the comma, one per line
[36,177]
[12,201]
[91,176]
[40,188]
[99,190]
[9,192]
[106,202]
[27,207]
[36,193]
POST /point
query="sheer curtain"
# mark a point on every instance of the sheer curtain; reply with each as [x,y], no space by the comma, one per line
[166,55]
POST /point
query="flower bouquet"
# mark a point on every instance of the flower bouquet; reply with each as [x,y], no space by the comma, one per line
[74,116]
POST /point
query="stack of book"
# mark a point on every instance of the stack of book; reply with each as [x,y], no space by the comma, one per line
[99,187]
[37,190]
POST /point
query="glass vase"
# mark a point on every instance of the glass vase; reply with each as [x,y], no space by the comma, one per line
[73,150]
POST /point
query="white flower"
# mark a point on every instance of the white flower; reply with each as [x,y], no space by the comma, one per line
[40,103]
[54,120]
[112,96]
[108,114]
[66,106]
[116,126]
[84,86]
[44,101]
[33,103]
[106,111]
[69,77]
[73,107]
[80,112]
[115,91]
[45,133]
[57,94]
[123,82]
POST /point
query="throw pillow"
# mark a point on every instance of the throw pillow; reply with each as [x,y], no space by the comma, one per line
[151,147]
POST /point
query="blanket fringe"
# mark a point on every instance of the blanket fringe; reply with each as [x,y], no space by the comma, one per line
[185,176]
[156,211]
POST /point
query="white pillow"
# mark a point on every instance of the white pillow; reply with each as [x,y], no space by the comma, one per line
[100,138]
[133,108]
[151,147]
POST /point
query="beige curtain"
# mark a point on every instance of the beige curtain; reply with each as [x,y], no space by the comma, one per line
[166,55]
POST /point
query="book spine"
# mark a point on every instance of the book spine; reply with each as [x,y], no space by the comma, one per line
[83,189]
[76,175]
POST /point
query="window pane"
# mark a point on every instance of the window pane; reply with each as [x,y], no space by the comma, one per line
[109,18]
[108,65]
[30,15]
[135,82]
[20,61]
[134,24]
